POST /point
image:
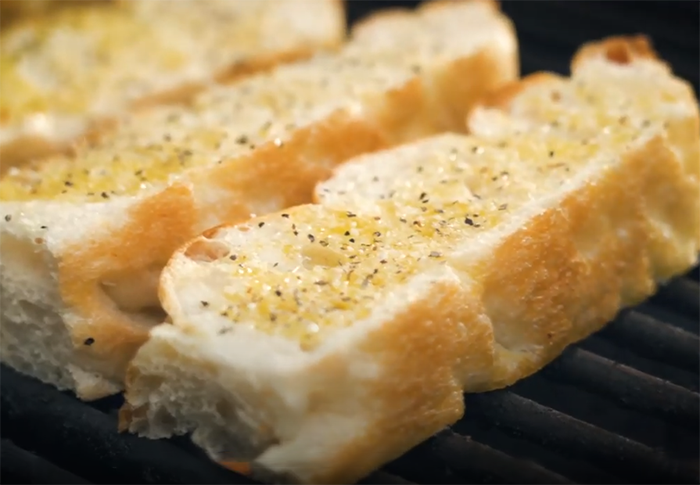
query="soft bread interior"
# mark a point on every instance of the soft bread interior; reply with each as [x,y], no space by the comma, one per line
[455,263]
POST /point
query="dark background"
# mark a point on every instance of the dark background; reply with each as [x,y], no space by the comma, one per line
[549,32]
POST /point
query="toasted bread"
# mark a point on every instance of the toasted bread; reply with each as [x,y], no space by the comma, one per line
[317,343]
[74,72]
[84,238]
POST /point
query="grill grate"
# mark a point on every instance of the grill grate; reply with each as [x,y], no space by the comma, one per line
[620,407]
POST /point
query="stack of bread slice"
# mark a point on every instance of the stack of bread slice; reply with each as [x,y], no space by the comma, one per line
[318,342]
[85,237]
[307,268]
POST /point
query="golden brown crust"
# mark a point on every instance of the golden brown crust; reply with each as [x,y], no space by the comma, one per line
[25,11]
[501,97]
[412,404]
[285,173]
[155,228]
[618,49]
[578,272]
[26,148]
[399,12]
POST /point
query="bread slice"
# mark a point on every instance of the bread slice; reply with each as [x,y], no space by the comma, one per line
[315,344]
[74,70]
[85,238]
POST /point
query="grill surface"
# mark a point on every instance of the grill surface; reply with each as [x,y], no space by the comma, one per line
[620,407]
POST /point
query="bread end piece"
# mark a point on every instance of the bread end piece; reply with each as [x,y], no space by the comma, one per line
[261,400]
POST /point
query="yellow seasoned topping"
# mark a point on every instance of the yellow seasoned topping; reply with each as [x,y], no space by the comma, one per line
[335,266]
[98,58]
[228,121]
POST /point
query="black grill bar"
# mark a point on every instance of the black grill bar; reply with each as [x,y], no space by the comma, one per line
[627,386]
[84,440]
[621,456]
[384,478]
[17,462]
[484,464]
[683,294]
[656,340]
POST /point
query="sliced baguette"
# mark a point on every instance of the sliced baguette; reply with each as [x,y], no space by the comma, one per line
[315,344]
[84,238]
[74,71]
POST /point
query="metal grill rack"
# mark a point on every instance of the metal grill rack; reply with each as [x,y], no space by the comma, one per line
[623,406]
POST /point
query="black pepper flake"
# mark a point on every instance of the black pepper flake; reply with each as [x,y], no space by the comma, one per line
[422,195]
[434,254]
[204,303]
[261,224]
[383,261]
[347,233]
[286,216]
[278,293]
[68,183]
[350,214]
[311,237]
[8,218]
[352,240]
[105,195]
[377,234]
[233,257]
[89,341]
[502,207]
[242,140]
[468,221]
[43,227]
[323,243]
[273,317]
[296,233]
[321,283]
[551,153]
